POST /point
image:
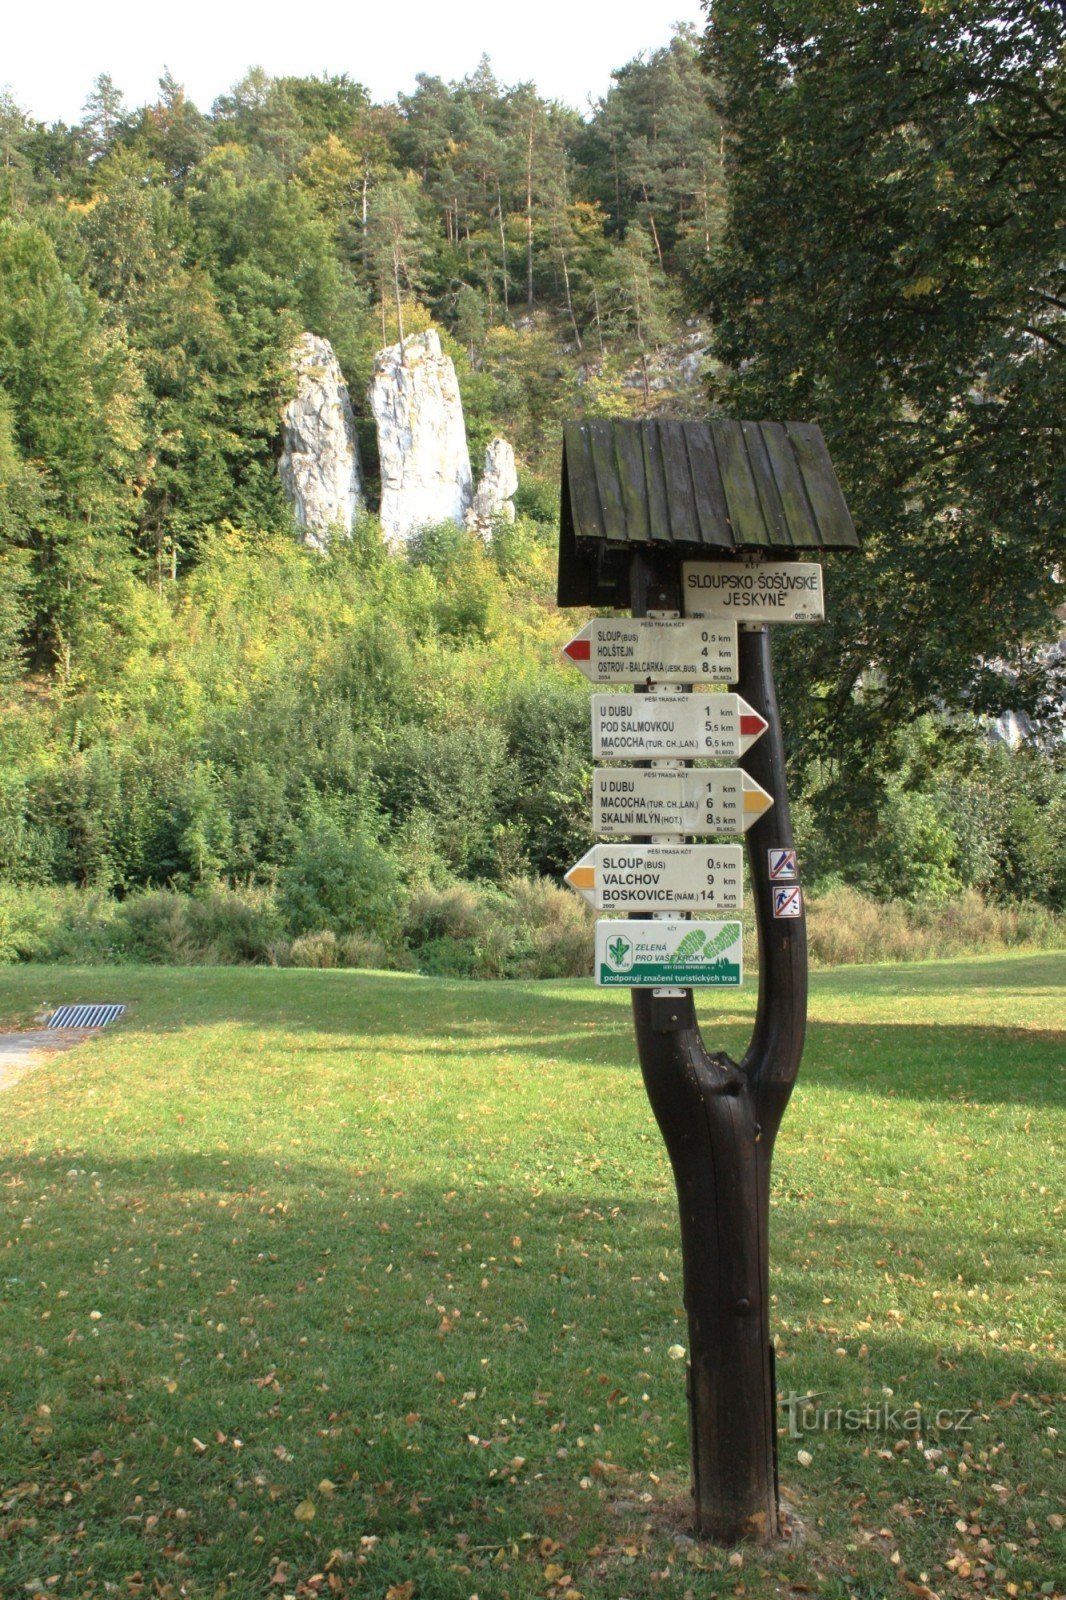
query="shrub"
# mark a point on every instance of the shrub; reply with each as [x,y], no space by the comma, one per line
[63,925]
[364,950]
[844,927]
[347,883]
[319,949]
[554,934]
[461,778]
[529,929]
[154,927]
[459,932]
[233,926]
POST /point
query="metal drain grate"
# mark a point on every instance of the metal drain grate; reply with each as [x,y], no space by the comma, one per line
[84,1016]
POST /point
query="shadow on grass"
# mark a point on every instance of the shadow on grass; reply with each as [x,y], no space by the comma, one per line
[378,1017]
[176,1332]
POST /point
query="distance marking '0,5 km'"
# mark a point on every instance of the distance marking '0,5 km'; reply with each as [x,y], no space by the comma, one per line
[655,650]
[661,877]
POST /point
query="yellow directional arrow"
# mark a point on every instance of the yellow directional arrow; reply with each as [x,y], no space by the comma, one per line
[580,877]
[756,799]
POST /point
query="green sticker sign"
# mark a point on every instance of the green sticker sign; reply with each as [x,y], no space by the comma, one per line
[669,954]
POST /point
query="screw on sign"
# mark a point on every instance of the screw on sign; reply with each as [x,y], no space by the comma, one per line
[716,518]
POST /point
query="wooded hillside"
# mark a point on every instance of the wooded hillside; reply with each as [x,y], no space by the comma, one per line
[750,222]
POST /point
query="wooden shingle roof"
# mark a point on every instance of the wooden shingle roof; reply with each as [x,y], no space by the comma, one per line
[702,487]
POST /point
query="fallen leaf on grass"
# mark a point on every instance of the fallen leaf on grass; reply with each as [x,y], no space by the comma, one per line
[305,1511]
[400,1591]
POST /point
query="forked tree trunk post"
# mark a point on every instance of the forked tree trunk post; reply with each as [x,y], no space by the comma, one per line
[719,1119]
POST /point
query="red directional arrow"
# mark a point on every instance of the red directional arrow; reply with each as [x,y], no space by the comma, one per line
[653,727]
[578,649]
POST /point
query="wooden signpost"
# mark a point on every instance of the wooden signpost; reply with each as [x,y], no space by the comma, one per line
[662,518]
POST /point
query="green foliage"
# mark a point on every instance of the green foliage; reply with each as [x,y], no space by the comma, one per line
[949,810]
[892,270]
[191,702]
[547,731]
[653,150]
[465,590]
[528,928]
[462,776]
[85,928]
[339,880]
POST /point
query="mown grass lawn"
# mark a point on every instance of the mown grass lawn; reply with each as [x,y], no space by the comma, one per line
[339,1283]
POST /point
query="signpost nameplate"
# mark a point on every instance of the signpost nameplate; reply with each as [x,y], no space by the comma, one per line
[636,727]
[754,591]
[663,650]
[691,955]
[661,877]
[699,800]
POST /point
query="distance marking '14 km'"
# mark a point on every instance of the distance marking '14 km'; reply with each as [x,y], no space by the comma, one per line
[783,867]
[638,726]
[754,591]
[788,901]
[661,877]
[665,650]
[700,800]
[669,954]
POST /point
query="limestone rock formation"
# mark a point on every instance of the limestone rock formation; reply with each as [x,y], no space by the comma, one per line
[319,466]
[425,463]
[494,499]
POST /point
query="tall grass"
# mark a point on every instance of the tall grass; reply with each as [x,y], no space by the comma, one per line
[845,927]
[528,928]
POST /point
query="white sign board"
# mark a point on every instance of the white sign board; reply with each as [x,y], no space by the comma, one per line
[664,650]
[754,591]
[633,727]
[669,954]
[661,877]
[700,800]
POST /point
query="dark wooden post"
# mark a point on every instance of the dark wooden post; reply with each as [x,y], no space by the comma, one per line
[719,1119]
